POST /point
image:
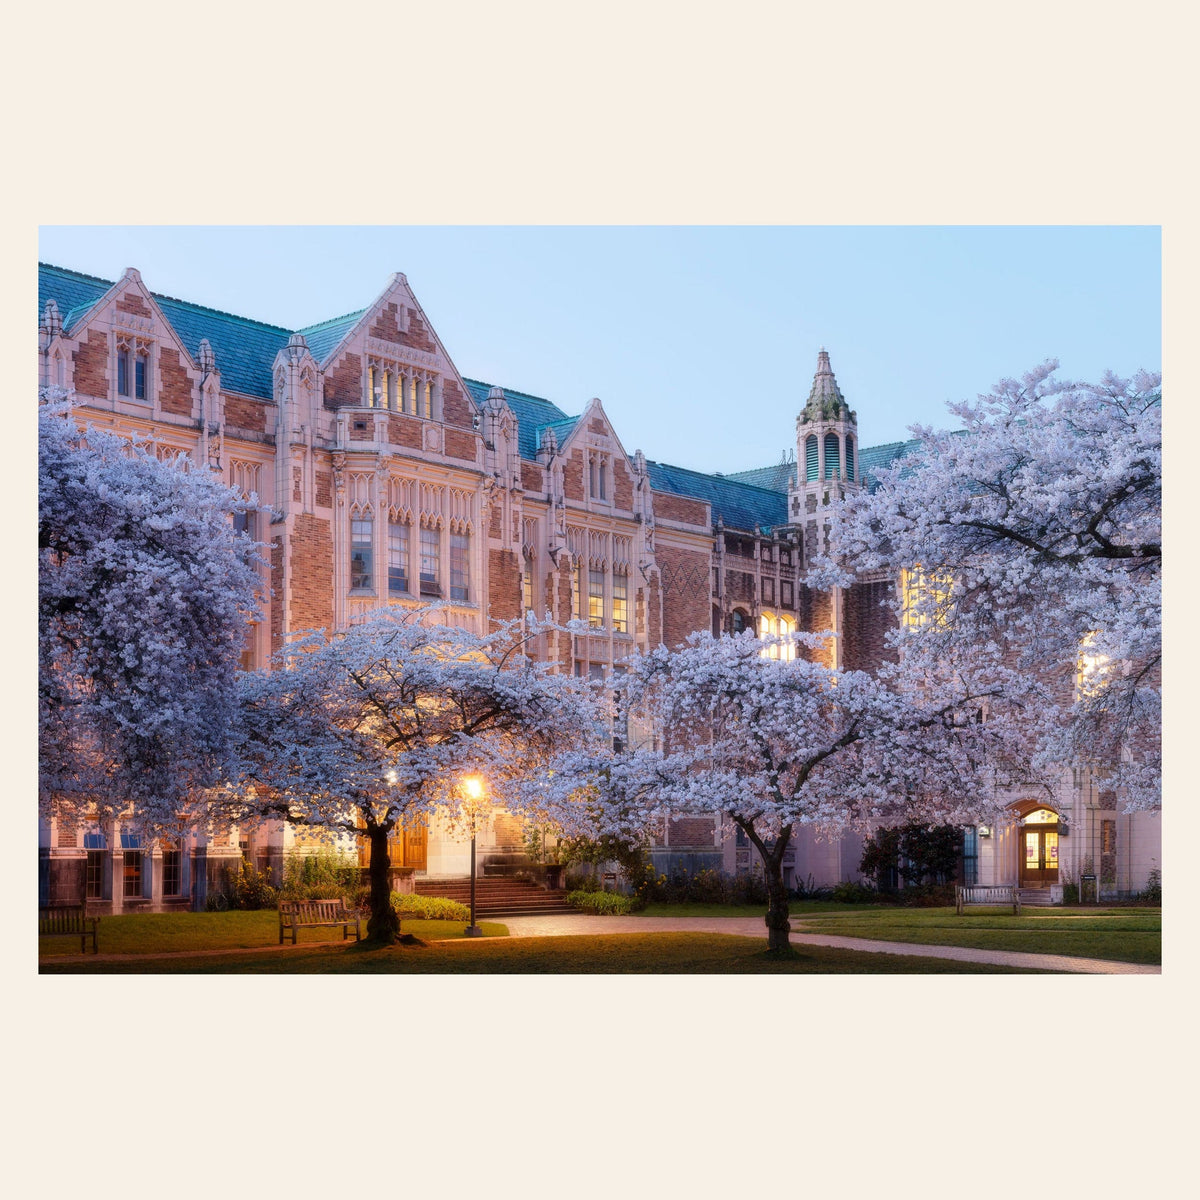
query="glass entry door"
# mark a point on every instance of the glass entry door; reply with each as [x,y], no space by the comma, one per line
[1039,849]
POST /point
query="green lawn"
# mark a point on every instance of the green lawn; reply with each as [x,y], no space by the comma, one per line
[167,933]
[639,954]
[1119,934]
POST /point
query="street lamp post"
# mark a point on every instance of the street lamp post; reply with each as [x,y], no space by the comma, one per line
[473,786]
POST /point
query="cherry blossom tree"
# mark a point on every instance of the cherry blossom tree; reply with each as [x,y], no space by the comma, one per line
[144,590]
[764,745]
[379,726]
[1037,527]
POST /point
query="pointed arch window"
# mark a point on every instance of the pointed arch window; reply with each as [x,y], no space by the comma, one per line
[832,456]
[810,458]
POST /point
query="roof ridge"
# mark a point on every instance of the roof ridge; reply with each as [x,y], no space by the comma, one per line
[511,391]
[716,475]
[76,274]
[331,321]
[220,312]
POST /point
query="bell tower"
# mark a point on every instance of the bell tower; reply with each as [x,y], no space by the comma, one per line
[826,455]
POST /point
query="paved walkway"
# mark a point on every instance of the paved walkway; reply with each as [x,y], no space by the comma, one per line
[574,923]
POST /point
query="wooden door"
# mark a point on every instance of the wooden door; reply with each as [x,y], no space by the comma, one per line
[1039,856]
[416,847]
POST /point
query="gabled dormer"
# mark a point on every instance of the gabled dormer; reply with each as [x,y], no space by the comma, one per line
[597,473]
[117,346]
[388,357]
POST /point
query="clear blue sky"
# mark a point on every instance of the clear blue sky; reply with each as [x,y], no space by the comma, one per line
[701,342]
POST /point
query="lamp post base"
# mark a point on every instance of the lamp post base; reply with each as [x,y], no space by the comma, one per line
[473,931]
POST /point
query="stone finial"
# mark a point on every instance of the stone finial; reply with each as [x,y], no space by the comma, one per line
[205,358]
[52,319]
[549,445]
[639,462]
[298,341]
[825,400]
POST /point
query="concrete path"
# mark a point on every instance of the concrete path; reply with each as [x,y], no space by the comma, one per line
[575,923]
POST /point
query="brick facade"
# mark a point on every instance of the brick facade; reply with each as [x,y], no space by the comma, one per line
[175,391]
[90,362]
[244,413]
[311,553]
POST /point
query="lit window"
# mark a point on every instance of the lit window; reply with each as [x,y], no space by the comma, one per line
[926,597]
[577,593]
[371,387]
[1091,669]
[771,626]
[527,590]
[620,613]
[362,554]
[131,846]
[397,558]
[460,566]
[596,599]
[431,562]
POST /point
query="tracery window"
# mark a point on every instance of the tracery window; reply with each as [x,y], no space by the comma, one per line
[133,367]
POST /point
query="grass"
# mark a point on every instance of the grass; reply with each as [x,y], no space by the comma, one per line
[1131,935]
[168,933]
[637,954]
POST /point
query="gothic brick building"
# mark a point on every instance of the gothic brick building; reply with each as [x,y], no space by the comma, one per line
[386,476]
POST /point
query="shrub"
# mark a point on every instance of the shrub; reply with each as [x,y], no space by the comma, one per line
[253,890]
[429,908]
[323,875]
[853,893]
[1153,892]
[605,903]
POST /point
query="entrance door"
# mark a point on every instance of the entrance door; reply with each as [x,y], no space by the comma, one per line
[416,846]
[1039,849]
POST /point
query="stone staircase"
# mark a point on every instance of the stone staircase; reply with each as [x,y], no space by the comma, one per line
[496,897]
[1035,897]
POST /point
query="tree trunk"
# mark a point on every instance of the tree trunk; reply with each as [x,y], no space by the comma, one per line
[778,926]
[383,925]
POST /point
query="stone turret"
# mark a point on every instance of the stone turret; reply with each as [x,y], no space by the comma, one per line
[826,453]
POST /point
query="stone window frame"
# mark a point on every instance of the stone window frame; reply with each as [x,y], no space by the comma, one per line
[142,347]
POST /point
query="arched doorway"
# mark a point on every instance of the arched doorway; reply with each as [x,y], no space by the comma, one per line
[1038,847]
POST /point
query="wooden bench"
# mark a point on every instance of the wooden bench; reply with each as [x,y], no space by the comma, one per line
[69,922]
[311,914]
[999,894]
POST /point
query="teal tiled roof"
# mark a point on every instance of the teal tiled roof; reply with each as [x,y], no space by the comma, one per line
[870,458]
[324,337]
[70,290]
[776,479]
[739,505]
[245,349]
[533,415]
